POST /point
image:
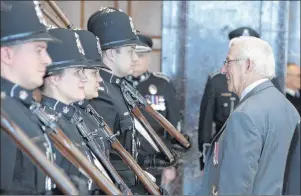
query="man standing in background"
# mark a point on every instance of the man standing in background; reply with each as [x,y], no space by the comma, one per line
[292,89]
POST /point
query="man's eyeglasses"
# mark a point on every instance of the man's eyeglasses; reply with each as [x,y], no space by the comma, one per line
[226,62]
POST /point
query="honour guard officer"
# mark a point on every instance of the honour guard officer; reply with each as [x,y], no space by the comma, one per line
[292,90]
[218,102]
[64,85]
[155,87]
[159,92]
[24,59]
[118,40]
[93,52]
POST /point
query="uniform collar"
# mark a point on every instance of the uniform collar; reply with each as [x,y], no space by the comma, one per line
[82,104]
[292,93]
[141,78]
[14,90]
[109,77]
[66,110]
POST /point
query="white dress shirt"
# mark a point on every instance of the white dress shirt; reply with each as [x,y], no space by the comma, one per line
[251,87]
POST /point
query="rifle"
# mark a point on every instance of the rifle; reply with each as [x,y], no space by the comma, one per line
[156,115]
[35,155]
[137,113]
[99,154]
[90,141]
[71,152]
[60,14]
[150,186]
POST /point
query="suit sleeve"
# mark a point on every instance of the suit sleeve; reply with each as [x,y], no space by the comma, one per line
[241,153]
[206,115]
[105,107]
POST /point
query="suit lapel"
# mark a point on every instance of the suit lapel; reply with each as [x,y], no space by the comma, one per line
[256,90]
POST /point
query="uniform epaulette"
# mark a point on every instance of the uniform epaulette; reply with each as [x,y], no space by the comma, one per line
[214,73]
[161,75]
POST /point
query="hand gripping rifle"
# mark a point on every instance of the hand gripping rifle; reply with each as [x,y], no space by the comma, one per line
[137,113]
[35,154]
[92,144]
[138,98]
[150,186]
[72,153]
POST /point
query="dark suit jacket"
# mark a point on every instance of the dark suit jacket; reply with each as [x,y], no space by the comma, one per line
[291,184]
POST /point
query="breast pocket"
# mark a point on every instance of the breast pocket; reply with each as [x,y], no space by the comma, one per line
[126,124]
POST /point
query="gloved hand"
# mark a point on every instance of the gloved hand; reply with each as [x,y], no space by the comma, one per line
[158,160]
[163,191]
[179,147]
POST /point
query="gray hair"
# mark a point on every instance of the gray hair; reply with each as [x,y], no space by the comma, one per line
[259,51]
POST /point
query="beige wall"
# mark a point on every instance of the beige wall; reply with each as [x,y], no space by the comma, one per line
[146,16]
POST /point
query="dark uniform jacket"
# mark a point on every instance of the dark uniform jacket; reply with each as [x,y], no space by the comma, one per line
[18,174]
[161,94]
[216,105]
[93,126]
[55,108]
[105,143]
[111,105]
[295,99]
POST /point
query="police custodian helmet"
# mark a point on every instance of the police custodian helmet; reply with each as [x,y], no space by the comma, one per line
[113,27]
[243,31]
[67,54]
[22,21]
[92,48]
[148,44]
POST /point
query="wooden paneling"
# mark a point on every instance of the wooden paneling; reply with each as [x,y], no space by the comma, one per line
[82,13]
[147,16]
[123,5]
[155,64]
[72,11]
[93,6]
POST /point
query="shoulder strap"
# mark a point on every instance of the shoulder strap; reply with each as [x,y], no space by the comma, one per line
[161,75]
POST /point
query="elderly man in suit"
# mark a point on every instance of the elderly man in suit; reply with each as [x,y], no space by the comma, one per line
[248,155]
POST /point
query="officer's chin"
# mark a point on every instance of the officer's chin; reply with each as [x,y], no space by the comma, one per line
[35,84]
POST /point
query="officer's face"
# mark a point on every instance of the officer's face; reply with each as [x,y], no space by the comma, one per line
[70,85]
[142,64]
[125,60]
[25,64]
[293,77]
[92,83]
[235,71]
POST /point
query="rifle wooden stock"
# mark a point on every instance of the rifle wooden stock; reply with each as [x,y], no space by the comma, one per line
[99,154]
[167,126]
[109,167]
[36,156]
[156,115]
[73,154]
[64,145]
[150,186]
[48,15]
[137,113]
[60,14]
